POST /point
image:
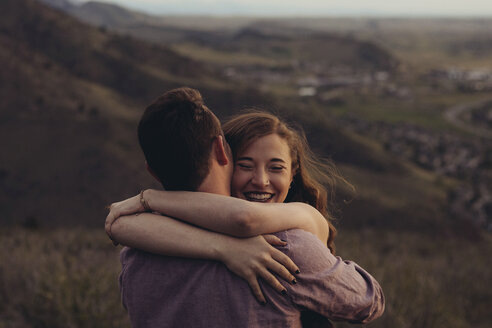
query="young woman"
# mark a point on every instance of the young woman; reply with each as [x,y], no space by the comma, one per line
[278,184]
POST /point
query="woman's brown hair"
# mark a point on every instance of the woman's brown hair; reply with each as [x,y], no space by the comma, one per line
[314,179]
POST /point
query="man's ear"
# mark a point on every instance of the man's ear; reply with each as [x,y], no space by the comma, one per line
[152,172]
[220,152]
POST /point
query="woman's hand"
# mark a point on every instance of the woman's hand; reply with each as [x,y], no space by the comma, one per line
[126,207]
[255,257]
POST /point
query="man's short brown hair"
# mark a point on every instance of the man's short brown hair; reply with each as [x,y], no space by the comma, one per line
[176,133]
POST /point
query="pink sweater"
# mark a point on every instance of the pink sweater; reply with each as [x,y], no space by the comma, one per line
[163,291]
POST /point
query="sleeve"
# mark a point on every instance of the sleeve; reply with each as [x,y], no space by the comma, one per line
[121,281]
[330,286]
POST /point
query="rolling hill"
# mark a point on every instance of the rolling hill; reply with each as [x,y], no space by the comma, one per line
[255,36]
[71,95]
[125,21]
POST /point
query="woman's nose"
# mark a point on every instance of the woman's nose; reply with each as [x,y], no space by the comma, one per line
[260,178]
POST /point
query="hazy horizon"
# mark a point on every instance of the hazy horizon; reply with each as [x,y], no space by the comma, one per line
[311,8]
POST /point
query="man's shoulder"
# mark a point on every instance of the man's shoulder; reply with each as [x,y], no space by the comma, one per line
[301,238]
[304,248]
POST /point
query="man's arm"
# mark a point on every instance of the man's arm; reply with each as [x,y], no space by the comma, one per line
[336,289]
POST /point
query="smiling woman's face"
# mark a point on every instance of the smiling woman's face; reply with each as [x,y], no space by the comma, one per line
[263,171]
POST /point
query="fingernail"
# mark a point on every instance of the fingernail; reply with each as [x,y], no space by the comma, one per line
[294,281]
[284,292]
[283,240]
[297,271]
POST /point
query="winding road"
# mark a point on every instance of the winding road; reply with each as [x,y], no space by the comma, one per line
[453,114]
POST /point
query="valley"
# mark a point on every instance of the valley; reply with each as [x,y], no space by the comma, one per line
[402,106]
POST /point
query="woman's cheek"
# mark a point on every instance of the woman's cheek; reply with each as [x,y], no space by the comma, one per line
[283,183]
[238,182]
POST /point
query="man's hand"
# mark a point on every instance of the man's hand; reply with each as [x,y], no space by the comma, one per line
[126,207]
[255,257]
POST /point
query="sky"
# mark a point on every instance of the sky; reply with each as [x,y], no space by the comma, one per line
[468,8]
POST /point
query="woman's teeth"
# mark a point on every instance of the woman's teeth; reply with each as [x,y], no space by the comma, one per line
[258,196]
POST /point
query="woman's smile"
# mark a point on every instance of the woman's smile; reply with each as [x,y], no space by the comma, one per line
[255,196]
[263,171]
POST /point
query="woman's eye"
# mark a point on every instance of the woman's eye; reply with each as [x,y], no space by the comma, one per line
[277,168]
[244,166]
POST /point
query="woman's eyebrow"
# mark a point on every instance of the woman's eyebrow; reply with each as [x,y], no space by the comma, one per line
[244,158]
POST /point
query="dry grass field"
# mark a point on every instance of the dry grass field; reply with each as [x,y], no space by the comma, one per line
[68,278]
[71,95]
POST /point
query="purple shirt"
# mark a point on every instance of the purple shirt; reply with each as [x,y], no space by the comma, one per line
[161,291]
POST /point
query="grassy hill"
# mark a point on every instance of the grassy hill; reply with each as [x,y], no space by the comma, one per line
[423,42]
[71,95]
[255,37]
[116,18]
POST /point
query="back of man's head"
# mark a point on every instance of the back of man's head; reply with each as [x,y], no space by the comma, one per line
[176,133]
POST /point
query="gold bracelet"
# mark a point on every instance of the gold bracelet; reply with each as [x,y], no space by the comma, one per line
[144,203]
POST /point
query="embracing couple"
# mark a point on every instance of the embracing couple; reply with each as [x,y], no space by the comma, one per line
[262,258]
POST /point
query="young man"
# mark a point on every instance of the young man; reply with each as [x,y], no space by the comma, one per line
[185,149]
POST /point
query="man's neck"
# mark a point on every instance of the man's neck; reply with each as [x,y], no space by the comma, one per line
[216,184]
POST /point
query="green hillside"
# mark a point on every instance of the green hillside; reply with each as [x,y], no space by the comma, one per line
[71,95]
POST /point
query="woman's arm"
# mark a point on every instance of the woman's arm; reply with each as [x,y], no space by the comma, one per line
[232,216]
[249,257]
